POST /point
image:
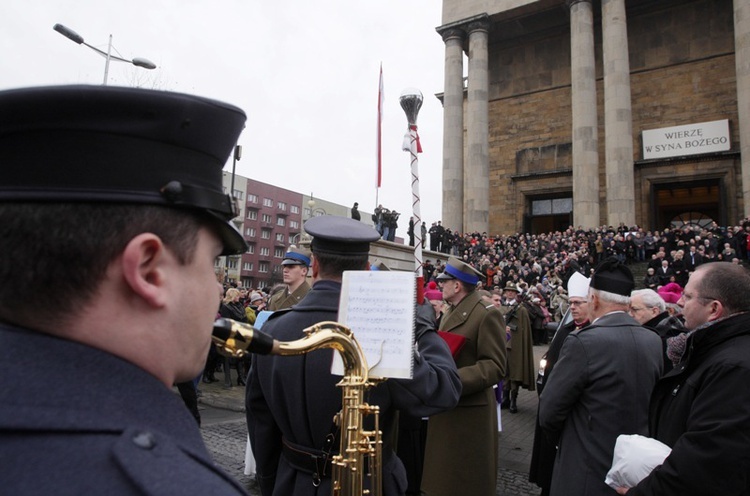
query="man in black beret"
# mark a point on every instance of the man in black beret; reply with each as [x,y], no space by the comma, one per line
[291,401]
[111,216]
[601,385]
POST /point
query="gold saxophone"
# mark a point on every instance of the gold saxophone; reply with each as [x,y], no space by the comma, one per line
[360,451]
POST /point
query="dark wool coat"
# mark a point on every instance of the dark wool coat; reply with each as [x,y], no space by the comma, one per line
[295,397]
[701,409]
[544,450]
[284,299]
[82,421]
[461,450]
[599,389]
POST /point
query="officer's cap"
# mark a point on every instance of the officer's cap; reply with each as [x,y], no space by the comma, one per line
[119,145]
[456,269]
[296,256]
[511,287]
[340,235]
[613,276]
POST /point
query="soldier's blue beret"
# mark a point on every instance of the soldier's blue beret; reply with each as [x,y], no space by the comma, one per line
[456,269]
[296,256]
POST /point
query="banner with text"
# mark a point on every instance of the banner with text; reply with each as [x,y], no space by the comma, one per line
[692,139]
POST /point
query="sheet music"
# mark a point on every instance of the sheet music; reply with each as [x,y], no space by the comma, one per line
[378,306]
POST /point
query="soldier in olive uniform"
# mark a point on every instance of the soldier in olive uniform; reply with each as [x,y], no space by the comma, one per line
[461,450]
[295,265]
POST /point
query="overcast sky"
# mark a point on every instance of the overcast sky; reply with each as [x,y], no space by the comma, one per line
[305,72]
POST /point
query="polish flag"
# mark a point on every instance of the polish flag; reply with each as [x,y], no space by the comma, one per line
[380,131]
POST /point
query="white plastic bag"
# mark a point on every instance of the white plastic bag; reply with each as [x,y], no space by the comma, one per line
[634,458]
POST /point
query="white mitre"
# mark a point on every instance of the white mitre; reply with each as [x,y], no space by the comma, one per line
[578,286]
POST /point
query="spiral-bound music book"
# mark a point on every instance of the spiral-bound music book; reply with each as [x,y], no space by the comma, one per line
[378,306]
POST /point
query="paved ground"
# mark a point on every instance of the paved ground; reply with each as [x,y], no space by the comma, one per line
[226,439]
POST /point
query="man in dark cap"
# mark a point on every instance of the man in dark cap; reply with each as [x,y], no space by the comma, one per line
[111,216]
[295,265]
[291,401]
[461,450]
[601,385]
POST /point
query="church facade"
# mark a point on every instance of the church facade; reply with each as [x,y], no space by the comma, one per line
[595,112]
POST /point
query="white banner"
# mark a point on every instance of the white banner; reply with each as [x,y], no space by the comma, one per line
[692,139]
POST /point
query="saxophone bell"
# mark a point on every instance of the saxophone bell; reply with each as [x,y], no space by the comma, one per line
[236,339]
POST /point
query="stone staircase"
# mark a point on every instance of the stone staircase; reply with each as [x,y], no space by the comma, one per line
[639,272]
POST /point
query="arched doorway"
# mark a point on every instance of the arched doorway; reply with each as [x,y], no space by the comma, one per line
[691,219]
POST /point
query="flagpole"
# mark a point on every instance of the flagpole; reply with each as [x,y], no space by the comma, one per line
[411,102]
[379,150]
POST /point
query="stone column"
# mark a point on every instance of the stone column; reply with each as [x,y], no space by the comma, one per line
[742,68]
[585,125]
[453,131]
[476,172]
[618,122]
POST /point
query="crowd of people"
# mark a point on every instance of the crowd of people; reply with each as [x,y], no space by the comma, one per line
[540,264]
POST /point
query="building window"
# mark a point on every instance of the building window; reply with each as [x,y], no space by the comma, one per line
[282,206]
[278,252]
[250,232]
[252,214]
[251,248]
[280,221]
[264,251]
[247,266]
[280,237]
[265,233]
[294,209]
[293,224]
[252,198]
[308,212]
[232,263]
[263,267]
[554,206]
[265,218]
[239,194]
[267,202]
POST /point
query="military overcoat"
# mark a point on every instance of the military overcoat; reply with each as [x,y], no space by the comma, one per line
[521,366]
[284,299]
[461,450]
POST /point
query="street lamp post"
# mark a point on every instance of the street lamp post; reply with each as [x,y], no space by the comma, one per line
[237,155]
[72,35]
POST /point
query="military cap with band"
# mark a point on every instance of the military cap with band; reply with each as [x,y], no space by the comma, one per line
[613,276]
[456,269]
[105,144]
[296,256]
[340,235]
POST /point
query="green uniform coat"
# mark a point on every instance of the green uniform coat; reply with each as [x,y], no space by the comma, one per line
[461,450]
[520,348]
[285,299]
